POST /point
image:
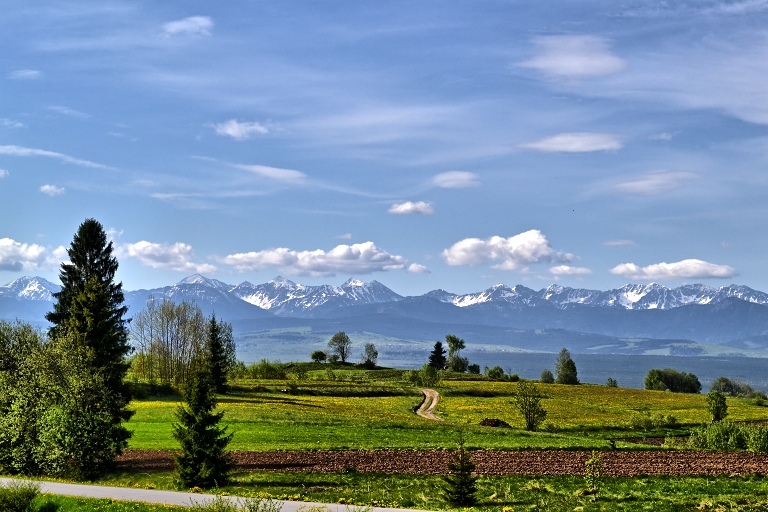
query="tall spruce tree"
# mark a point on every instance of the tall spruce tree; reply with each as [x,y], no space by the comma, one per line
[90,309]
[221,352]
[202,461]
[437,358]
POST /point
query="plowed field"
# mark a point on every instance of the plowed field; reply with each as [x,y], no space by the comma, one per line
[489,462]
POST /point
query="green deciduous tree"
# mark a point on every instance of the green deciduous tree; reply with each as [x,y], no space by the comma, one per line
[340,345]
[673,380]
[546,377]
[717,406]
[318,356]
[370,356]
[202,461]
[527,401]
[565,368]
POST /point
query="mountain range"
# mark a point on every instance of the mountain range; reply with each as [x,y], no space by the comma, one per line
[678,320]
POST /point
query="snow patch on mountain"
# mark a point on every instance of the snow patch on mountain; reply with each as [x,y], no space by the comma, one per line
[30,288]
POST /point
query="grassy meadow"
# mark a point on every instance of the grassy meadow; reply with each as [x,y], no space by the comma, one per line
[359,409]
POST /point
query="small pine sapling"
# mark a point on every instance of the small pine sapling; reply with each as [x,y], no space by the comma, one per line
[460,484]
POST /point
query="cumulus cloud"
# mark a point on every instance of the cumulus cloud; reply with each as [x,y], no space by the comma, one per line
[24,74]
[174,257]
[68,111]
[514,252]
[22,151]
[52,190]
[16,256]
[685,269]
[411,208]
[618,243]
[566,270]
[574,57]
[275,173]
[363,258]
[201,25]
[415,268]
[576,143]
[3,173]
[455,179]
[655,183]
[239,131]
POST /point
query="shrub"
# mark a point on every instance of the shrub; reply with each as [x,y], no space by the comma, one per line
[319,356]
[611,382]
[647,422]
[673,380]
[720,436]
[756,438]
[495,373]
[267,370]
[427,376]
[717,407]
[474,369]
[546,377]
[514,378]
[593,471]
[528,402]
[18,496]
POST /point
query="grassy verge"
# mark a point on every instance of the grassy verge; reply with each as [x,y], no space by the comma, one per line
[504,494]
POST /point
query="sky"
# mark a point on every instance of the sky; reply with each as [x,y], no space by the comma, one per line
[426,145]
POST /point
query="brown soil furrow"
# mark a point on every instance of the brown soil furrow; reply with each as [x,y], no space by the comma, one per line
[489,462]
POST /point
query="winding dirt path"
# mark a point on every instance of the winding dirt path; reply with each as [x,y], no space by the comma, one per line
[427,407]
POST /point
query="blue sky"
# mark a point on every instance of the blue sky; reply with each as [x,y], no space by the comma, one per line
[427,145]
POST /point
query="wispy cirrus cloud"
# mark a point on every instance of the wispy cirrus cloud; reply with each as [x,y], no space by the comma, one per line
[618,243]
[200,25]
[514,253]
[68,111]
[24,74]
[654,183]
[411,208]
[11,123]
[456,179]
[275,173]
[363,258]
[574,56]
[581,142]
[176,256]
[52,190]
[239,131]
[685,269]
[22,151]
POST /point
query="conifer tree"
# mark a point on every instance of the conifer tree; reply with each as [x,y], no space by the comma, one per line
[460,484]
[437,358]
[221,352]
[202,462]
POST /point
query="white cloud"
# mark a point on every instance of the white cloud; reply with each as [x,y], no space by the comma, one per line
[24,74]
[363,258]
[275,173]
[411,208]
[68,111]
[662,136]
[193,25]
[345,236]
[655,183]
[239,131]
[618,243]
[10,123]
[574,57]
[576,143]
[565,270]
[15,256]
[455,179]
[3,173]
[415,268]
[686,269]
[52,190]
[175,257]
[514,252]
[22,151]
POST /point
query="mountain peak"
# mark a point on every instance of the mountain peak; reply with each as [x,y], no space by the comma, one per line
[353,282]
[205,281]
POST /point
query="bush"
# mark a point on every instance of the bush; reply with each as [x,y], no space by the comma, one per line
[647,422]
[427,376]
[528,402]
[458,364]
[673,380]
[736,388]
[756,438]
[514,378]
[474,369]
[611,382]
[267,370]
[546,377]
[18,496]
[717,407]
[319,356]
[495,373]
[720,436]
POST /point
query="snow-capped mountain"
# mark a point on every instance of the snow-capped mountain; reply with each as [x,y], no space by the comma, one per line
[517,295]
[30,288]
[284,297]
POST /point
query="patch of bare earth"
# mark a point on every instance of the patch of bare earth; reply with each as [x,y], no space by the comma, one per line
[489,462]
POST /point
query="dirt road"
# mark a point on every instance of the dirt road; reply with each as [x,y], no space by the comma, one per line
[427,407]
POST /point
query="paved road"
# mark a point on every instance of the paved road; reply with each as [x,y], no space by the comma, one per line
[184,499]
[427,408]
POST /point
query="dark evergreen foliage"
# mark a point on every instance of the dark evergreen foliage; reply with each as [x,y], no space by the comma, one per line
[460,484]
[202,461]
[220,347]
[437,358]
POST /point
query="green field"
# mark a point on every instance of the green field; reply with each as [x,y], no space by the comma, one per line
[375,410]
